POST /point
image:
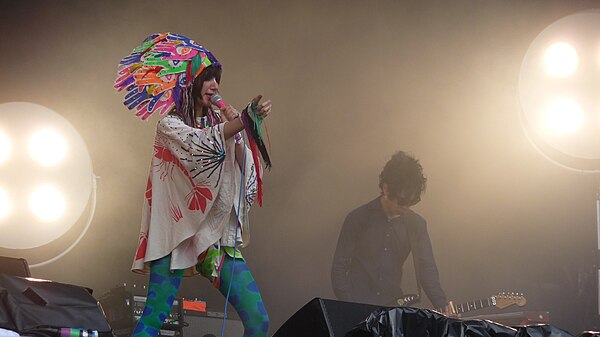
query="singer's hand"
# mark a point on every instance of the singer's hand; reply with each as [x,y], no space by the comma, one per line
[230,113]
[264,108]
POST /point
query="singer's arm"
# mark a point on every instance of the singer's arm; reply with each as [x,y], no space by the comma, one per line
[232,127]
[234,123]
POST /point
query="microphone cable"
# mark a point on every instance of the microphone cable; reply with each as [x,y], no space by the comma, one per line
[242,185]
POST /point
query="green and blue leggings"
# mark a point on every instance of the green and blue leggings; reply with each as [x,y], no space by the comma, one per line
[244,296]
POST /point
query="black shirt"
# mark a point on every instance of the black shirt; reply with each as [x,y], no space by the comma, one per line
[370,253]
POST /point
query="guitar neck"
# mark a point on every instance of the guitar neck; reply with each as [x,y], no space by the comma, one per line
[474,305]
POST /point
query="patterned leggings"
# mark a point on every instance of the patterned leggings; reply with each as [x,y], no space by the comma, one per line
[244,297]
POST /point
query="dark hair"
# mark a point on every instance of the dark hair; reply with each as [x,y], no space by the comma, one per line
[403,174]
[206,75]
[186,112]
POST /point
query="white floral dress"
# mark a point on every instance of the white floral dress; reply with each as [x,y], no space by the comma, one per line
[192,197]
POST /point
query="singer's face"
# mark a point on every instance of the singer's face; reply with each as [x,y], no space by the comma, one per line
[208,89]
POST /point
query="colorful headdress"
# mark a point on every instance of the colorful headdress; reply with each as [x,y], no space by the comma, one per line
[159,74]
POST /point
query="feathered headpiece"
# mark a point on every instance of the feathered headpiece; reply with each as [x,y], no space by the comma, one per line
[159,74]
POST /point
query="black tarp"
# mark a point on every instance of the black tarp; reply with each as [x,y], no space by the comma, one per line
[28,304]
[414,322]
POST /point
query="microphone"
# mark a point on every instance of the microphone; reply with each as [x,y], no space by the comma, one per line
[217,100]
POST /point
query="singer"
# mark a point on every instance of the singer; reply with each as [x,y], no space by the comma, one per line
[204,177]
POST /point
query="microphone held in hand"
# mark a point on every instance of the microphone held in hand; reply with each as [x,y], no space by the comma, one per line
[217,100]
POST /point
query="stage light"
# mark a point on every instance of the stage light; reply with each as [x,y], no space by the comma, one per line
[47,147]
[5,147]
[564,116]
[567,130]
[47,203]
[561,60]
[49,174]
[558,84]
[5,204]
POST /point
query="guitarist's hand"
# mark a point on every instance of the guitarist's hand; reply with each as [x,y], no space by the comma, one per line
[449,311]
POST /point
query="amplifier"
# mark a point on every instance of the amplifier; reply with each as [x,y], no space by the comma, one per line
[173,322]
[14,266]
[205,324]
[123,309]
[187,317]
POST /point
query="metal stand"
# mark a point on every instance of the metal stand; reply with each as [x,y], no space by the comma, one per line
[597,259]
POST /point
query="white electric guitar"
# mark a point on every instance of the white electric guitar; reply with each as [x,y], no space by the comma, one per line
[501,300]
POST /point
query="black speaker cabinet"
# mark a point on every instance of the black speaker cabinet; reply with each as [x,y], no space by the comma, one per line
[325,318]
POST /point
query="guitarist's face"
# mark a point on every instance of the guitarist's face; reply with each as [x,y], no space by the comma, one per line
[393,204]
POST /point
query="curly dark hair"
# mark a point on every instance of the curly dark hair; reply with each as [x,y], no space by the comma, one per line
[404,177]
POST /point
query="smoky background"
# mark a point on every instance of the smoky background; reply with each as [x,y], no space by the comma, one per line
[352,82]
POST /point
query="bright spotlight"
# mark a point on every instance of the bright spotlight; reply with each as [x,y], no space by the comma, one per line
[578,146]
[46,151]
[564,116]
[561,60]
[558,86]
[5,147]
[5,204]
[47,147]
[47,203]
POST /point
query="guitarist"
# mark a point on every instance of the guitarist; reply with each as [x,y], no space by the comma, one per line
[377,238]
